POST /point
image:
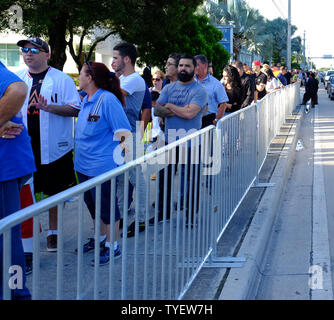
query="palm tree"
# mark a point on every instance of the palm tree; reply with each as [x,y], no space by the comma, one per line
[249,24]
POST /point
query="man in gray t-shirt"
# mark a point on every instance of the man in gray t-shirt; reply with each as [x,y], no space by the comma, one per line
[182,103]
[133,88]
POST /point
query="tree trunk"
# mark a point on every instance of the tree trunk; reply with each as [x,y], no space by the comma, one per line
[57,42]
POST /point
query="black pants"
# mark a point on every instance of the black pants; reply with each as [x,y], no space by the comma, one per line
[185,185]
[308,96]
[208,120]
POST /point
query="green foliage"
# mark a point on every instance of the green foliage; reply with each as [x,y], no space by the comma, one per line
[295,65]
[168,26]
[153,25]
[252,31]
[248,23]
[277,30]
[196,36]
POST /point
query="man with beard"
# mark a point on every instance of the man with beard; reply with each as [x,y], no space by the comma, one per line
[182,103]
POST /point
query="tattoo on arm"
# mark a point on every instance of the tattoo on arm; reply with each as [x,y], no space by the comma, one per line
[161,111]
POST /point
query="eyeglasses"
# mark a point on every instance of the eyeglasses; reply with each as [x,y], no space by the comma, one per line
[32,50]
[156,79]
[168,64]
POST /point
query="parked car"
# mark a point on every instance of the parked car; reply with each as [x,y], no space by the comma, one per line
[330,87]
[328,74]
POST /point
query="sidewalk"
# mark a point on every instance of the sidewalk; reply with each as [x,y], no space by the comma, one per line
[247,234]
[288,244]
[211,283]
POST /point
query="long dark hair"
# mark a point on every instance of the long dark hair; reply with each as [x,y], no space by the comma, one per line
[105,79]
[234,75]
[270,74]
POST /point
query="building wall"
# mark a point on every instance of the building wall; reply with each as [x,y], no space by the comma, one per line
[11,56]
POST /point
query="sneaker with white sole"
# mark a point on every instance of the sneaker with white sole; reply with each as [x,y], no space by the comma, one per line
[90,245]
[105,255]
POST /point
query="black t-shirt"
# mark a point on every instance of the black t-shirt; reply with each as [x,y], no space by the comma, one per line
[33,114]
[247,90]
[288,77]
[261,78]
[234,96]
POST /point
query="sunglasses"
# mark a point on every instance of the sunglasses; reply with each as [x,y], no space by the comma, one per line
[32,50]
[156,79]
[89,64]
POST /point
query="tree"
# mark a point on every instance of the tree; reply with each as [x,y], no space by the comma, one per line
[278,30]
[59,20]
[171,26]
[249,25]
[196,35]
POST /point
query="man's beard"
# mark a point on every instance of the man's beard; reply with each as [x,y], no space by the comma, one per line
[120,68]
[184,76]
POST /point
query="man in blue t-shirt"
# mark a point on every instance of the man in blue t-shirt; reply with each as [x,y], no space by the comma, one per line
[182,103]
[17,164]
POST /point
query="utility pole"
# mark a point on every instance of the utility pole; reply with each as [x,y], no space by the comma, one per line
[304,52]
[289,36]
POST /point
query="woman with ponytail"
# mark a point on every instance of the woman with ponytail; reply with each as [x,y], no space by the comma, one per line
[101,126]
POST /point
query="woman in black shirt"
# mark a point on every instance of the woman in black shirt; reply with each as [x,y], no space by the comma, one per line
[232,83]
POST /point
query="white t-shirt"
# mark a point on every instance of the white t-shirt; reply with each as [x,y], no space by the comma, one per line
[272,85]
[135,86]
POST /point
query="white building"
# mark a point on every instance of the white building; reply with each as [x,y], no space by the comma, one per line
[10,54]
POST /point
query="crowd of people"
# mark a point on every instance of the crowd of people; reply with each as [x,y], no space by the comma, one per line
[113,110]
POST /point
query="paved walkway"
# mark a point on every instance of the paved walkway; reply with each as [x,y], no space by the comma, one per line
[208,285]
[295,262]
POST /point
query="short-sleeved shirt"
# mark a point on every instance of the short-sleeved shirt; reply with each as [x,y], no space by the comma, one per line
[216,92]
[135,86]
[16,157]
[182,95]
[259,79]
[95,129]
[281,78]
[147,101]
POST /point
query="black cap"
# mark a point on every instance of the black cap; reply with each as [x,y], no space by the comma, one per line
[37,42]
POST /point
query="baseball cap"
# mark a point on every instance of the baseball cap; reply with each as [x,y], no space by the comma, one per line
[257,63]
[37,42]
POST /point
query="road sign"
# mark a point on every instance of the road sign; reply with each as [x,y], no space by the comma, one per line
[227,41]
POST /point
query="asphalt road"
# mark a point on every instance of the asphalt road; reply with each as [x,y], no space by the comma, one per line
[300,250]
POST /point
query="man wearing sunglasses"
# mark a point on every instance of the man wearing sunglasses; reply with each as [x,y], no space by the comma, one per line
[51,103]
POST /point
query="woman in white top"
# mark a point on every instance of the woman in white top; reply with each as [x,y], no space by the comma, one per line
[157,79]
[272,83]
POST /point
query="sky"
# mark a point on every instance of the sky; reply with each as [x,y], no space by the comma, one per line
[313,17]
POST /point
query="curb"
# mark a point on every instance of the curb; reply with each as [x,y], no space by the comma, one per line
[242,284]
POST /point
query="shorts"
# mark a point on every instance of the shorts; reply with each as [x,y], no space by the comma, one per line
[90,196]
[56,176]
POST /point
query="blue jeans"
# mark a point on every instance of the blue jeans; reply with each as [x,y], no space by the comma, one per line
[10,203]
